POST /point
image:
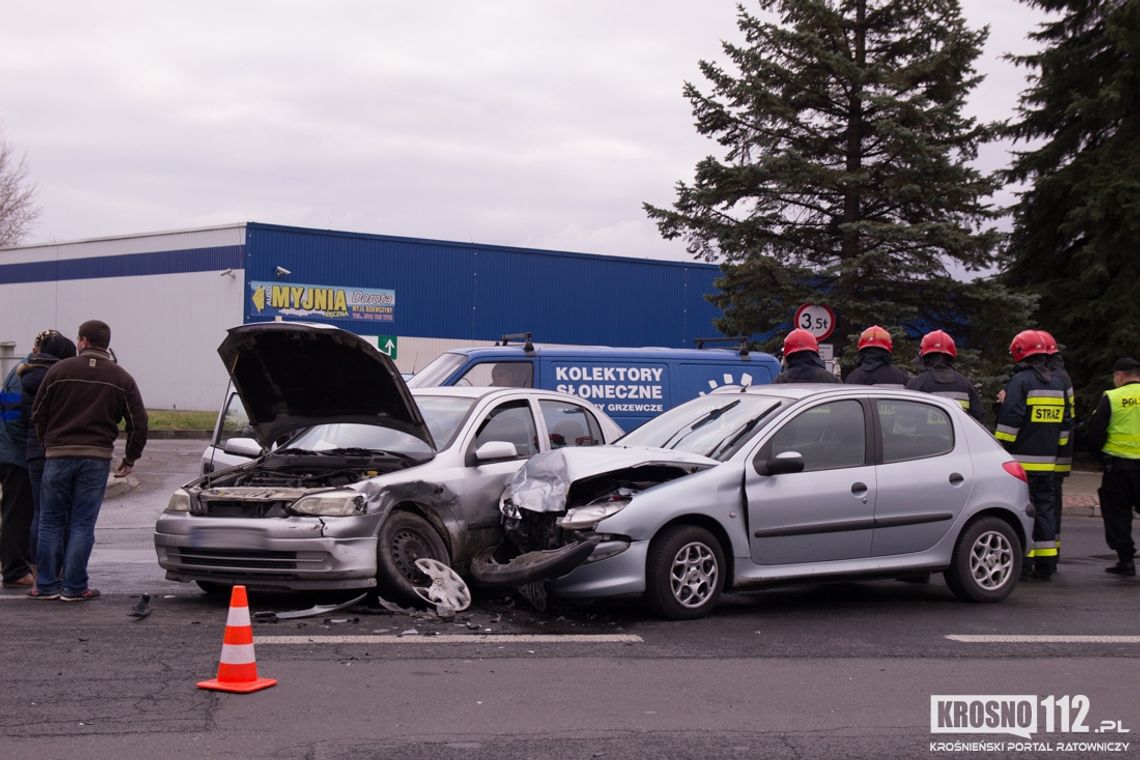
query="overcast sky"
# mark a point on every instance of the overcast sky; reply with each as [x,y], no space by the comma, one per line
[540,123]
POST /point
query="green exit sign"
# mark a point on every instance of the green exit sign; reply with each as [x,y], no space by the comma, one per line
[387,344]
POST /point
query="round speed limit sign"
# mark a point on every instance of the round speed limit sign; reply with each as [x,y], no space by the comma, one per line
[817,319]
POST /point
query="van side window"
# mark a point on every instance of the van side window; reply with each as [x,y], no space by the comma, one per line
[569,425]
[505,374]
[511,422]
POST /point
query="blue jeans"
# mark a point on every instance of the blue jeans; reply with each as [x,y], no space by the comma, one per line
[70,497]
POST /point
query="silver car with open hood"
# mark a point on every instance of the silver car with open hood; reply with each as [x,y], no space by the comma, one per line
[360,477]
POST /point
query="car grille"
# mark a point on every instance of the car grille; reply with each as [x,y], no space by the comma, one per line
[246,559]
[240,508]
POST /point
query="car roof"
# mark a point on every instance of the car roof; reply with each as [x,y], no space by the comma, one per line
[799,391]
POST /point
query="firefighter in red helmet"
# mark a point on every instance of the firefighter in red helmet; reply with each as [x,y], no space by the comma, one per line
[802,363]
[937,353]
[1029,425]
[874,363]
[1056,364]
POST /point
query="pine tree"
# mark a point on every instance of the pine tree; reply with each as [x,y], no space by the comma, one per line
[1077,226]
[846,176]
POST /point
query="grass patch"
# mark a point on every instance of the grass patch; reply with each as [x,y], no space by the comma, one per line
[177,419]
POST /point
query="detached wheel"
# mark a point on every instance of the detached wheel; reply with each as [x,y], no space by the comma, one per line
[213,588]
[986,562]
[404,538]
[684,573]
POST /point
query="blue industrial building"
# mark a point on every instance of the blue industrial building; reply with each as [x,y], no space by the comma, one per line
[170,296]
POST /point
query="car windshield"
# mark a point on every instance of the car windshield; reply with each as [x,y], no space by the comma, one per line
[443,414]
[715,426]
[437,371]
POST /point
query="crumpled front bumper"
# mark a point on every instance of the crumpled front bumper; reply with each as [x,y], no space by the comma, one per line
[293,554]
[530,567]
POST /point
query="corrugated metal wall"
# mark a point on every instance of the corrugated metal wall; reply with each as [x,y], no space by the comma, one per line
[476,292]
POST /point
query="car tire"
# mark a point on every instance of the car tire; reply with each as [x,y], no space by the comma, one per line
[986,562]
[404,538]
[213,588]
[684,573]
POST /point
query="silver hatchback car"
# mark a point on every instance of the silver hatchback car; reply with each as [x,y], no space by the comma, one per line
[364,476]
[752,487]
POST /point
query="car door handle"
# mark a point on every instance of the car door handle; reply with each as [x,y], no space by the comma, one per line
[859,489]
[956,478]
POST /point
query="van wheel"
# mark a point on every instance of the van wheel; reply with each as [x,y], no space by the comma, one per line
[404,538]
[986,562]
[684,573]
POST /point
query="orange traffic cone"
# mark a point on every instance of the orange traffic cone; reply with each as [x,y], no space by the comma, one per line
[237,671]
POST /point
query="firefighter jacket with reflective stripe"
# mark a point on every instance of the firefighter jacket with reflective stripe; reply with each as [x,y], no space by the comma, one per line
[1123,422]
[1031,418]
[940,379]
[1065,452]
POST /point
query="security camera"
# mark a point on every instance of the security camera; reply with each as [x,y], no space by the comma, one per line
[282,272]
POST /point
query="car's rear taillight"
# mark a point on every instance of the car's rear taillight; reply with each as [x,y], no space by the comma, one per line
[1016,470]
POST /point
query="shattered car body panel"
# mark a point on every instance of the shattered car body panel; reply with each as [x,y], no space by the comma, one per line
[754,488]
[345,504]
[541,543]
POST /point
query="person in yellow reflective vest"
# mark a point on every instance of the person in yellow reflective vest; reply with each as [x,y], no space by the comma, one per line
[1114,434]
[1029,424]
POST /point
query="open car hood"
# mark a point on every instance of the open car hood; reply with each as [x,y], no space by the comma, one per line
[293,375]
[544,482]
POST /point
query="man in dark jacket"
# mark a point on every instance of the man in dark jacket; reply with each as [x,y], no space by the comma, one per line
[802,361]
[937,353]
[874,364]
[1029,425]
[76,414]
[49,348]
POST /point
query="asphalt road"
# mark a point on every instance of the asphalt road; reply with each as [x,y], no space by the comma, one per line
[840,671]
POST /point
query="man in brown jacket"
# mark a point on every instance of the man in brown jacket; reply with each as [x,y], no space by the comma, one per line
[76,414]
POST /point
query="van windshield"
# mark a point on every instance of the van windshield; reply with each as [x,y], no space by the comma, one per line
[436,372]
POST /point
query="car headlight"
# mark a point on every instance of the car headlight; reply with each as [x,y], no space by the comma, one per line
[591,514]
[179,501]
[330,504]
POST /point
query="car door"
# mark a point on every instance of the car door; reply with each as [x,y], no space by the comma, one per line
[478,484]
[925,475]
[826,512]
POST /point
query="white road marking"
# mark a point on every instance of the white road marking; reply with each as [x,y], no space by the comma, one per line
[524,638]
[1043,639]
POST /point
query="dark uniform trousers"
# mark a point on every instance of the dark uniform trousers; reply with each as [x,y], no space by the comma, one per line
[1119,495]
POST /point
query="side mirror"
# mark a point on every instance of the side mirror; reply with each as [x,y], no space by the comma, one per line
[243,447]
[492,450]
[782,464]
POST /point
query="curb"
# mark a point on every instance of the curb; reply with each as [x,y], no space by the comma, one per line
[203,435]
